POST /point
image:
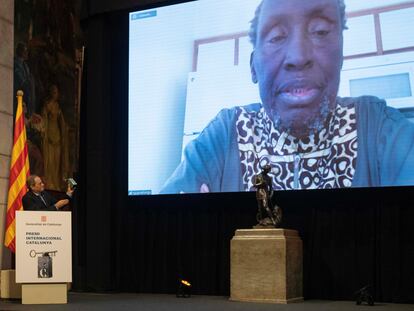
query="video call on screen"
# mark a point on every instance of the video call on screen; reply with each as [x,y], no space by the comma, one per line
[189,61]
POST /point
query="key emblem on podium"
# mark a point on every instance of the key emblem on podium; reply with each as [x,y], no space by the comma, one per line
[44,263]
[44,266]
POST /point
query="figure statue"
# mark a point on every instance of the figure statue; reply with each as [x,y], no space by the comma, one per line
[267,215]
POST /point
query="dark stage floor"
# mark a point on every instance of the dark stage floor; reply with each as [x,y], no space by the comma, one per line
[144,302]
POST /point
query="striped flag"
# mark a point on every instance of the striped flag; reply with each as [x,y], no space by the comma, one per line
[19,171]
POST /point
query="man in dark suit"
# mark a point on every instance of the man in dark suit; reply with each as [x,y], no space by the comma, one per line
[36,199]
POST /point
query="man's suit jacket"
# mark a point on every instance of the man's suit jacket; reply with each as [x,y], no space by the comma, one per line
[33,202]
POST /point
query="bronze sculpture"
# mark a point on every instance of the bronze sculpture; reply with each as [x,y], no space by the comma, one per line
[267,215]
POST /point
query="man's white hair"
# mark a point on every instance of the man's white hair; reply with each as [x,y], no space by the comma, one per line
[255,20]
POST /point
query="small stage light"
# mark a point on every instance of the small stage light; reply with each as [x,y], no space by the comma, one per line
[183,288]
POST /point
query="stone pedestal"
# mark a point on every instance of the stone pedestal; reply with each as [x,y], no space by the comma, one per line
[266,266]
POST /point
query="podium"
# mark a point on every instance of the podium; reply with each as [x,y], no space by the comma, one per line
[43,256]
[266,266]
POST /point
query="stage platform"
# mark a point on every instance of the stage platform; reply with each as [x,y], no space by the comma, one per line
[152,302]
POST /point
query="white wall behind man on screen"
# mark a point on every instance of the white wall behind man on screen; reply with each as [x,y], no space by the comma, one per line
[357,5]
[161,56]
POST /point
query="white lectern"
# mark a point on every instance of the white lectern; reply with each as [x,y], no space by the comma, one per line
[43,256]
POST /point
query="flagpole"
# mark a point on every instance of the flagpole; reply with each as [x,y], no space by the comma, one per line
[19,171]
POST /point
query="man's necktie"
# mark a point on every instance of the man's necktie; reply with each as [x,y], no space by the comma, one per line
[43,199]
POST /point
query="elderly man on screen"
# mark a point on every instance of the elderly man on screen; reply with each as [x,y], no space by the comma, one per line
[311,138]
[37,199]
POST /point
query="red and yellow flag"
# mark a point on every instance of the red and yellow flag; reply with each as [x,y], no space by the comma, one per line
[19,171]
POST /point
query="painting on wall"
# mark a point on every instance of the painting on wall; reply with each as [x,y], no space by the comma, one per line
[48,69]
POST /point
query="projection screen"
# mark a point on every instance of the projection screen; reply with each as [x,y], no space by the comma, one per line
[325,99]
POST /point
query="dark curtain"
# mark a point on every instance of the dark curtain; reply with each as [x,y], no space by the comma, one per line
[352,237]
